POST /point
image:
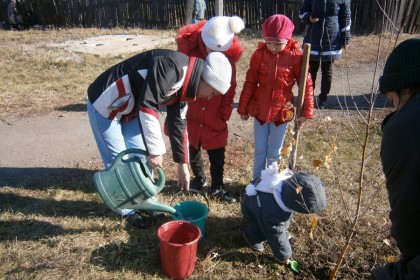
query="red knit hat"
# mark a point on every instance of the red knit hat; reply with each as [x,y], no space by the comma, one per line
[278,28]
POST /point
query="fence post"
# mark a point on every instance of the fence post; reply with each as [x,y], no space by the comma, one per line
[188,12]
[218,8]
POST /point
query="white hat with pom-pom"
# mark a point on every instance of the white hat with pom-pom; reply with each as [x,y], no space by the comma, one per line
[218,32]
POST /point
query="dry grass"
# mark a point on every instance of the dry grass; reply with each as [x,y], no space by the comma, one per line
[38,78]
[57,227]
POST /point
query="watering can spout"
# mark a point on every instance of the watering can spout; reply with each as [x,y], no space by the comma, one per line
[128,184]
[151,204]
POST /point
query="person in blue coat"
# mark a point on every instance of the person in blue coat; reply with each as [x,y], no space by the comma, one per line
[328,32]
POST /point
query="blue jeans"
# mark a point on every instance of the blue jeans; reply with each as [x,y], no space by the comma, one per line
[268,140]
[113,137]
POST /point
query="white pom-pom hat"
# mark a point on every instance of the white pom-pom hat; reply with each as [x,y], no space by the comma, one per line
[217,72]
[218,32]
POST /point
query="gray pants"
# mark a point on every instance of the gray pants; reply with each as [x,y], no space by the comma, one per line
[267,222]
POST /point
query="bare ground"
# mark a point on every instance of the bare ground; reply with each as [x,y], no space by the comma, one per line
[56,148]
[32,145]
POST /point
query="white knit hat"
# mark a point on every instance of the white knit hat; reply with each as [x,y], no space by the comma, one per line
[217,72]
[218,32]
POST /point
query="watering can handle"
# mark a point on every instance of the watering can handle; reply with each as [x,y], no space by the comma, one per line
[129,151]
[161,182]
[193,191]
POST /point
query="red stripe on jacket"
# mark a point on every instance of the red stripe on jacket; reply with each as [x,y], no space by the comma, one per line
[121,92]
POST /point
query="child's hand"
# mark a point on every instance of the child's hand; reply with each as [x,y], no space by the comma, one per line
[183,176]
[244,117]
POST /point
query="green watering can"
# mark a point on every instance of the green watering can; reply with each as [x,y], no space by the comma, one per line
[128,184]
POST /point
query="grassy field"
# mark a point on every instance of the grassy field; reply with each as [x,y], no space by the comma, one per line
[58,227]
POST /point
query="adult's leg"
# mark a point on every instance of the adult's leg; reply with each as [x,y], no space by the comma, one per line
[261,134]
[133,138]
[326,79]
[110,140]
[313,70]
[108,136]
[275,142]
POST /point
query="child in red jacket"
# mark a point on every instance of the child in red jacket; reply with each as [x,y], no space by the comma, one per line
[267,95]
[207,119]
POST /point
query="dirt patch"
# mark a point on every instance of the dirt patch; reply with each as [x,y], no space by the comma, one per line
[114,45]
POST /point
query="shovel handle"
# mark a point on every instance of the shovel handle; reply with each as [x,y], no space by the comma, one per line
[300,99]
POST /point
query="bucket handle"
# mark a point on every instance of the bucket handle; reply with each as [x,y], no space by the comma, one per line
[193,191]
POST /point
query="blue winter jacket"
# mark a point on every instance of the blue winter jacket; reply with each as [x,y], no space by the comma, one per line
[331,32]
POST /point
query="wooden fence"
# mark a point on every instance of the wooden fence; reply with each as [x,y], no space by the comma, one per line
[368,16]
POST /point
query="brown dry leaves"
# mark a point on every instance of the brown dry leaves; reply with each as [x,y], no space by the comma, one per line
[318,163]
[314,222]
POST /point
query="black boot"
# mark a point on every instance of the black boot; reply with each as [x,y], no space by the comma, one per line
[322,102]
[220,193]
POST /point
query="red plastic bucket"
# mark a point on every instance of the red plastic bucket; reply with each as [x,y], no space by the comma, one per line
[194,212]
[178,248]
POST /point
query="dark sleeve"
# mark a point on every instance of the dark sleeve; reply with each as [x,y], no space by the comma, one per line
[305,11]
[177,130]
[345,22]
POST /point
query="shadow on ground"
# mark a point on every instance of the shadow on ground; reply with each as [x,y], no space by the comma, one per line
[73,108]
[353,102]
[356,102]
[44,177]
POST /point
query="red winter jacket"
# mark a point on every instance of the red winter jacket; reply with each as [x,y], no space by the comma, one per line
[267,92]
[207,119]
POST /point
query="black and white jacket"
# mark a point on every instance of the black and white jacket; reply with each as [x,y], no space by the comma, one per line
[331,31]
[138,86]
